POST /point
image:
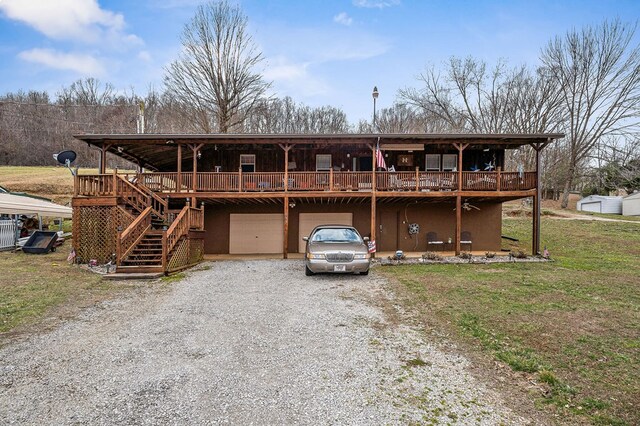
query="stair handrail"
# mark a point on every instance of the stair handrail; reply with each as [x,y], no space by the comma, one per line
[122,183]
[131,236]
[178,228]
[159,204]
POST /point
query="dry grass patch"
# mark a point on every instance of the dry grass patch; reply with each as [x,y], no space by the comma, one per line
[36,286]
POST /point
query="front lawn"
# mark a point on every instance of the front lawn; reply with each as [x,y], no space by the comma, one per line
[35,286]
[573,325]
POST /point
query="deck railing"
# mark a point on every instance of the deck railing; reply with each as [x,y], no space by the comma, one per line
[102,185]
[106,185]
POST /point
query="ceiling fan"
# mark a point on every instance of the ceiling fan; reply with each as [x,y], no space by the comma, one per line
[467,206]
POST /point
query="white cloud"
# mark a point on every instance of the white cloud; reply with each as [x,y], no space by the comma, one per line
[144,55]
[290,77]
[343,18]
[379,4]
[78,20]
[83,64]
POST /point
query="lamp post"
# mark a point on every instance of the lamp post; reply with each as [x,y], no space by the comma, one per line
[375,96]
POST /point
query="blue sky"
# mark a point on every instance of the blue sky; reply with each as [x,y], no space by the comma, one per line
[320,52]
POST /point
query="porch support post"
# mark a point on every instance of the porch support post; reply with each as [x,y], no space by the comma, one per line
[373,168]
[194,178]
[460,147]
[286,149]
[179,168]
[373,221]
[535,249]
[373,197]
[458,222]
[103,159]
[285,245]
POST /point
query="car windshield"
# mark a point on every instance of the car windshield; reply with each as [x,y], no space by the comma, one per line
[336,235]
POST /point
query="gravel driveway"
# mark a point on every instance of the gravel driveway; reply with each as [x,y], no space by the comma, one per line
[241,342]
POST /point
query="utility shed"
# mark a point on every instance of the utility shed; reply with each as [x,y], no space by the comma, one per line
[601,204]
[631,205]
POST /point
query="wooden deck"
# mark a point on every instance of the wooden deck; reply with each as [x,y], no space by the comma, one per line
[103,185]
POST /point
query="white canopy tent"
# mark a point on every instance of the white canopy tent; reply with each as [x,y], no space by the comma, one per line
[17,205]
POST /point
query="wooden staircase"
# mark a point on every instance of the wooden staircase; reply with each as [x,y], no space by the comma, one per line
[145,255]
[149,242]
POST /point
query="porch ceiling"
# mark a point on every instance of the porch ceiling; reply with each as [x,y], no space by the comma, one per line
[159,151]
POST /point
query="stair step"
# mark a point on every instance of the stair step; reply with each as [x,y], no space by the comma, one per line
[146,255]
[141,263]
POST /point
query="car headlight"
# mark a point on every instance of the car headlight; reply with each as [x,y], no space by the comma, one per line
[315,256]
[360,256]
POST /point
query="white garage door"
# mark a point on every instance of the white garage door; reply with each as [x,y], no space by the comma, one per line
[308,221]
[591,207]
[256,233]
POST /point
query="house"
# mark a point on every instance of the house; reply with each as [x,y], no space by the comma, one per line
[249,194]
[600,204]
[631,205]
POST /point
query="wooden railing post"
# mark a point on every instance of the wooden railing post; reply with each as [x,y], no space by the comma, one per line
[417,179]
[331,179]
[499,178]
[164,251]
[240,179]
[115,182]
[118,246]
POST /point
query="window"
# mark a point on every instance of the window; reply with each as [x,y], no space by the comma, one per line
[449,162]
[248,163]
[432,162]
[323,162]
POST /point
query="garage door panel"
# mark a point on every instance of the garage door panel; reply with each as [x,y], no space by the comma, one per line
[308,221]
[591,207]
[256,233]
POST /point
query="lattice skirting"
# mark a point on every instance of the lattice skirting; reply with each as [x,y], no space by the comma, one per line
[187,252]
[95,229]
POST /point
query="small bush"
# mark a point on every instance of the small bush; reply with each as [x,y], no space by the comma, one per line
[431,255]
[518,254]
[465,255]
[490,255]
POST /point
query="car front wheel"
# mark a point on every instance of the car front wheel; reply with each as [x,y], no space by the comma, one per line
[308,271]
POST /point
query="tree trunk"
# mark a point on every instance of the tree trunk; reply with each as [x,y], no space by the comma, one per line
[567,187]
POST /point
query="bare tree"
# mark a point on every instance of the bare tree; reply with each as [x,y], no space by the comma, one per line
[598,71]
[216,71]
[89,91]
[470,97]
[285,116]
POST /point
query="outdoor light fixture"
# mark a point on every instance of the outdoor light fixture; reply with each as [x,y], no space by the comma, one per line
[486,150]
[170,142]
[292,204]
[120,149]
[199,155]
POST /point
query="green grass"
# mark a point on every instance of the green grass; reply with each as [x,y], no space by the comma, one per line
[610,216]
[572,324]
[32,286]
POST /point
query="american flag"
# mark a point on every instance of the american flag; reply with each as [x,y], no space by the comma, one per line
[379,157]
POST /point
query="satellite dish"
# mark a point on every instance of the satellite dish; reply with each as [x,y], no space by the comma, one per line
[65,157]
